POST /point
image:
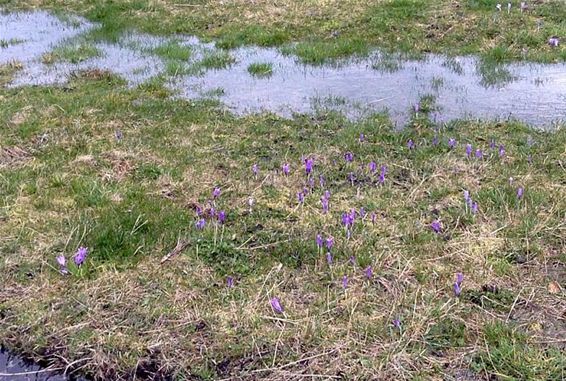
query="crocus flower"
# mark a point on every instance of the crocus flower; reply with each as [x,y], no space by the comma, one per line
[229,282]
[200,224]
[382,174]
[349,156]
[345,282]
[301,197]
[362,138]
[468,149]
[80,256]
[198,210]
[373,217]
[285,168]
[325,205]
[479,154]
[216,192]
[397,323]
[492,144]
[329,242]
[459,278]
[451,143]
[276,305]
[554,41]
[347,220]
[255,169]
[308,166]
[368,272]
[373,166]
[524,6]
[467,198]
[501,150]
[221,215]
[474,207]
[329,258]
[436,226]
[410,144]
[520,192]
[362,212]
[457,289]
[326,194]
[62,261]
[319,241]
[311,182]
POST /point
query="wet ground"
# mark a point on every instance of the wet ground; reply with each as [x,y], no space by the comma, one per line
[463,87]
[13,368]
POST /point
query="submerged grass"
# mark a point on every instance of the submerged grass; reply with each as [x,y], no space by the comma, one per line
[91,165]
[330,29]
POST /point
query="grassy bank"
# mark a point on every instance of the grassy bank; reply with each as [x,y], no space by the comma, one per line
[124,173]
[331,29]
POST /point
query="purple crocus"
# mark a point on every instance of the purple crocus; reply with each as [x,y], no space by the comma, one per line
[554,41]
[524,6]
[326,194]
[325,204]
[319,241]
[301,197]
[382,174]
[520,192]
[362,213]
[308,166]
[362,138]
[492,144]
[216,192]
[372,166]
[221,216]
[467,198]
[373,217]
[329,242]
[501,150]
[474,207]
[368,272]
[255,169]
[345,282]
[276,305]
[351,178]
[286,169]
[200,224]
[349,156]
[469,149]
[458,284]
[80,256]
[451,143]
[229,282]
[347,220]
[62,261]
[329,258]
[311,182]
[436,226]
[410,144]
[479,154]
[397,323]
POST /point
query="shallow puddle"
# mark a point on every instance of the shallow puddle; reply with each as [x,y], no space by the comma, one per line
[13,368]
[462,87]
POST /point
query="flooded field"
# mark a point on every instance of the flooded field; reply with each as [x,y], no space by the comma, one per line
[252,79]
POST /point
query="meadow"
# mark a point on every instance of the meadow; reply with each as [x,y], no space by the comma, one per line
[153,238]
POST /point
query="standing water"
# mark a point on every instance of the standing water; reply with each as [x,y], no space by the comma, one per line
[13,368]
[461,87]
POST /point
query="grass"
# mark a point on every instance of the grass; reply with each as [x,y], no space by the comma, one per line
[67,181]
[327,30]
[73,53]
[261,69]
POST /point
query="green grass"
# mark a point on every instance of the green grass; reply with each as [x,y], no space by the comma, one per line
[330,30]
[73,53]
[261,69]
[130,201]
[216,60]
